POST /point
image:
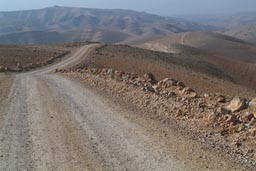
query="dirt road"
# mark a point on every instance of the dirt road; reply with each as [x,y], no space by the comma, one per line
[53,123]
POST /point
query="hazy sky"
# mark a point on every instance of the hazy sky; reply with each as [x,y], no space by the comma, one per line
[162,7]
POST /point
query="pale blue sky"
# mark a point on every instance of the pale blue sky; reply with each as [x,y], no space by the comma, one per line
[162,7]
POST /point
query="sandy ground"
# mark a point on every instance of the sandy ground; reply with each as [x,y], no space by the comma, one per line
[53,123]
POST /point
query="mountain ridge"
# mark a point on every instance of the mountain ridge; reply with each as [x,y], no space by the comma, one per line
[139,25]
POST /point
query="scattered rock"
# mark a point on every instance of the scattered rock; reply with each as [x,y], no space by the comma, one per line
[155,87]
[210,118]
[180,84]
[149,89]
[192,95]
[223,110]
[188,92]
[206,95]
[149,76]
[169,82]
[252,106]
[109,71]
[247,117]
[232,119]
[236,105]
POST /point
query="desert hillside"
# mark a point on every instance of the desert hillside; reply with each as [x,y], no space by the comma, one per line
[247,33]
[233,56]
[195,72]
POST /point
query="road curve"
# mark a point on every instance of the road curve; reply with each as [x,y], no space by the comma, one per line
[183,37]
[55,124]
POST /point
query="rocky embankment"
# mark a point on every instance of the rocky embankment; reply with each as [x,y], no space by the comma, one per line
[221,121]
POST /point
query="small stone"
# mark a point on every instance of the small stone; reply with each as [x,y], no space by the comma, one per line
[211,118]
[221,99]
[206,95]
[149,77]
[179,113]
[155,87]
[232,119]
[169,82]
[164,92]
[109,71]
[192,95]
[247,117]
[149,89]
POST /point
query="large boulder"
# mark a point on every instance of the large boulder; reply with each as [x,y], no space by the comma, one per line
[237,104]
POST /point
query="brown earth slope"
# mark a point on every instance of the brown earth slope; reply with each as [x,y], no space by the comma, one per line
[234,56]
[202,76]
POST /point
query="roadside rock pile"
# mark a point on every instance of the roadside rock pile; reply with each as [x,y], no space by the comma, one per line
[228,119]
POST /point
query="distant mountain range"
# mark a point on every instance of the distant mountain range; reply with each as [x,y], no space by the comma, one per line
[62,24]
[65,24]
[240,25]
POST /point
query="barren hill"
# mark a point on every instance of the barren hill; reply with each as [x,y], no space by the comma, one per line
[74,24]
[233,56]
[247,33]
